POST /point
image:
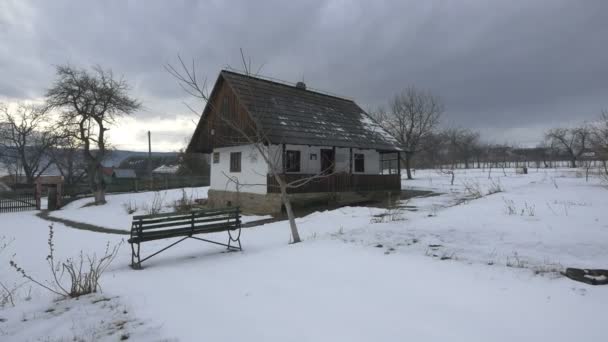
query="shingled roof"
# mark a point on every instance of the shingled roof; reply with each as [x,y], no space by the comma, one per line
[292,115]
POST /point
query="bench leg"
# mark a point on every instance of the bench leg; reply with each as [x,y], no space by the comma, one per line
[135,259]
[237,240]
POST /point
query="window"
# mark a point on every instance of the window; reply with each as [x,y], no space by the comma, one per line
[359,162]
[216,157]
[235,161]
[292,161]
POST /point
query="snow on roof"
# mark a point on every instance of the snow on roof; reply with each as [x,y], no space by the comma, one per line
[124,173]
[290,115]
[166,169]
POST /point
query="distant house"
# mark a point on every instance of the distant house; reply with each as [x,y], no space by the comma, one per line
[143,164]
[166,170]
[111,173]
[306,133]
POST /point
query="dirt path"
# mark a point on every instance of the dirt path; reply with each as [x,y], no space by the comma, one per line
[79,225]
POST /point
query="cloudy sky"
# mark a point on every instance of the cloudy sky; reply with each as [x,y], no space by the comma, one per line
[509,69]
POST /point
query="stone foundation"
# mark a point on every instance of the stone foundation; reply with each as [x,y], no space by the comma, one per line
[263,204]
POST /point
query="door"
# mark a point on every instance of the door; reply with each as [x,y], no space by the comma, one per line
[328,161]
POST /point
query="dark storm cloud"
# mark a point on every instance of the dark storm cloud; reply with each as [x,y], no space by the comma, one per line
[497,64]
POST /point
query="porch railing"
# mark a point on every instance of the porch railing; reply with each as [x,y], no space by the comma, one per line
[340,182]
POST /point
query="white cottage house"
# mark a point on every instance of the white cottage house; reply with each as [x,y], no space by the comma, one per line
[307,135]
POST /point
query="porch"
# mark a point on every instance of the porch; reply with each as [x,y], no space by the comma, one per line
[338,182]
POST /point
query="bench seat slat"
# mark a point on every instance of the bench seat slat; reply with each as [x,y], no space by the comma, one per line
[186,231]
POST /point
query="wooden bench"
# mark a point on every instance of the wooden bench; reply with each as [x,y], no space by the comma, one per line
[185,225]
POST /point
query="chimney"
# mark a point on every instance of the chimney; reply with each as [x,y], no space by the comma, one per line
[301,85]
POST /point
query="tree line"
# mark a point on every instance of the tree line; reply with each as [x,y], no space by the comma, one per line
[413,116]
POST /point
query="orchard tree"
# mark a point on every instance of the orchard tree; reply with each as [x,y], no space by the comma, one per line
[462,143]
[572,141]
[91,102]
[599,138]
[412,119]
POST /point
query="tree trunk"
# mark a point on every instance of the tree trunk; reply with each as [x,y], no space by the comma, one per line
[289,210]
[408,157]
[573,162]
[97,184]
[292,220]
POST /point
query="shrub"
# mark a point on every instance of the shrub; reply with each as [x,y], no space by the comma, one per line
[185,203]
[130,207]
[495,187]
[84,272]
[512,209]
[472,188]
[156,206]
[6,293]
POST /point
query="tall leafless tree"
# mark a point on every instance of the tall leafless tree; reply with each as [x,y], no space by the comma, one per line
[572,141]
[413,117]
[26,136]
[91,103]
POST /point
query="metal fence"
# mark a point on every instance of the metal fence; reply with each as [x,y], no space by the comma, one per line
[20,200]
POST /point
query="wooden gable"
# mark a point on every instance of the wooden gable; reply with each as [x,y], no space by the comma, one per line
[223,121]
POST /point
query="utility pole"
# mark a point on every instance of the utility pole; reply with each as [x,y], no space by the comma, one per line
[149,156]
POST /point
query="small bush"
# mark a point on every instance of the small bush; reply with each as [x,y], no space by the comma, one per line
[156,206]
[185,203]
[130,207]
[512,209]
[6,293]
[472,188]
[84,272]
[515,261]
[495,187]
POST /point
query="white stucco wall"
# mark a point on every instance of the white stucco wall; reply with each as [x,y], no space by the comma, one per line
[253,170]
[372,158]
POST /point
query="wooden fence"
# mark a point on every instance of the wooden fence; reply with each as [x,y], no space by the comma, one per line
[341,182]
[75,191]
[21,200]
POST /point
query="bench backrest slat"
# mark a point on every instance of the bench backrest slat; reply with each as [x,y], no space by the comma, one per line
[188,221]
[175,224]
[206,212]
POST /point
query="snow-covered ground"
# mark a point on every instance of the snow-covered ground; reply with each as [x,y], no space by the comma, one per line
[361,274]
[120,208]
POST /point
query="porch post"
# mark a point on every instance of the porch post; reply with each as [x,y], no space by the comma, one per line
[399,165]
[350,161]
[283,157]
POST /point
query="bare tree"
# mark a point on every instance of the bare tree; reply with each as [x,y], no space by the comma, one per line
[26,136]
[572,141]
[413,117]
[600,138]
[463,143]
[91,103]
